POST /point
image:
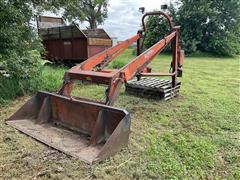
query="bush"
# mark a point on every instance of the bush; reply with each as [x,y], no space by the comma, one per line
[19,75]
[210,26]
[23,67]
[19,50]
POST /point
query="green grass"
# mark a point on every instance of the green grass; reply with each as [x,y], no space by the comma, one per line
[52,78]
[8,90]
[123,59]
[193,136]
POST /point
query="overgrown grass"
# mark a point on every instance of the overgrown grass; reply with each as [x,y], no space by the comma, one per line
[50,79]
[193,136]
[8,90]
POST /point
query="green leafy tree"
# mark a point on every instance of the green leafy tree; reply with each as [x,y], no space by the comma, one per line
[18,39]
[192,18]
[158,28]
[210,26]
[19,48]
[92,11]
[221,33]
[15,32]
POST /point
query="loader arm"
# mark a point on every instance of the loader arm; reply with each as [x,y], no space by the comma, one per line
[92,69]
[136,66]
[104,58]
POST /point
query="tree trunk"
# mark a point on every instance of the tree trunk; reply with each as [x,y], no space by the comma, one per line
[93,23]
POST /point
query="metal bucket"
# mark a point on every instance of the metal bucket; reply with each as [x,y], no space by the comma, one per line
[86,130]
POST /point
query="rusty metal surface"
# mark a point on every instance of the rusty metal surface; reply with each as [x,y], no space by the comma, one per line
[108,54]
[68,49]
[140,62]
[181,57]
[61,32]
[99,42]
[68,125]
[95,49]
[79,49]
[93,76]
[72,43]
[91,69]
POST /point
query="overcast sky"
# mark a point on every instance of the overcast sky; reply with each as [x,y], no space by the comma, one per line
[124,18]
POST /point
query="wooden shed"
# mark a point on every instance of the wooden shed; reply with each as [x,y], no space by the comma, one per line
[70,44]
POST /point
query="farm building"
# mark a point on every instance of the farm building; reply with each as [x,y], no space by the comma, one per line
[71,44]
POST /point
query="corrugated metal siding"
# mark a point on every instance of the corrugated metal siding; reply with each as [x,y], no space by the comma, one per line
[69,42]
[80,49]
[66,49]
[53,48]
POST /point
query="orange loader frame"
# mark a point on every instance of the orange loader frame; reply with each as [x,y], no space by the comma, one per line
[92,69]
[88,130]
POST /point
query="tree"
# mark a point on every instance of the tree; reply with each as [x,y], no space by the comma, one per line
[92,11]
[19,45]
[158,28]
[14,20]
[192,18]
[221,34]
[210,26]
[207,26]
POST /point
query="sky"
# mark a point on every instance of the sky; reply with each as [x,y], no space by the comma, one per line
[124,18]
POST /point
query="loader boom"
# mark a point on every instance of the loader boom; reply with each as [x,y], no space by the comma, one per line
[91,130]
[92,69]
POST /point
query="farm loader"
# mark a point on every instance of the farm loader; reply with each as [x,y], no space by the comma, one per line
[91,130]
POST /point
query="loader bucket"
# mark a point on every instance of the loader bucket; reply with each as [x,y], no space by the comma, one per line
[86,130]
